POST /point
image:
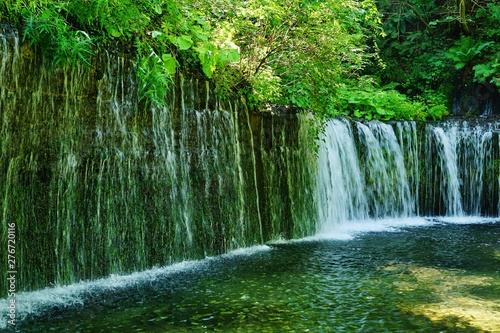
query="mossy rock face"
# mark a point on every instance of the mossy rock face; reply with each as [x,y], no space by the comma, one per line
[27,52]
[115,185]
[476,100]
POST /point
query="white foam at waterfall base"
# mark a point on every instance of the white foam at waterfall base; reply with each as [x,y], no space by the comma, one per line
[465,219]
[34,302]
[350,229]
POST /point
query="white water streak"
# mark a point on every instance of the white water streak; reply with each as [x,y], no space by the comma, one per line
[373,171]
[450,186]
[340,186]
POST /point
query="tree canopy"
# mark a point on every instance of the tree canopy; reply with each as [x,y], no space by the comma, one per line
[433,46]
[358,58]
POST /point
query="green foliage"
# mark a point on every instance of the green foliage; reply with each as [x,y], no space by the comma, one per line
[430,47]
[420,67]
[465,50]
[487,65]
[154,73]
[296,52]
[361,58]
[49,31]
[488,72]
[369,102]
[487,17]
[167,34]
[114,18]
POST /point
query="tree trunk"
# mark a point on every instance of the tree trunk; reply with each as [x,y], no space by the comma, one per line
[463,19]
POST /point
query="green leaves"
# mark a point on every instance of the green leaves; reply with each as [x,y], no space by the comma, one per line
[47,31]
[198,32]
[154,73]
[207,57]
[488,72]
[231,55]
[465,50]
[169,63]
[168,34]
[370,104]
[113,31]
[296,52]
[428,53]
[183,42]
[484,71]
[384,103]
[312,54]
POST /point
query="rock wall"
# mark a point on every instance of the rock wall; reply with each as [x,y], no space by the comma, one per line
[97,183]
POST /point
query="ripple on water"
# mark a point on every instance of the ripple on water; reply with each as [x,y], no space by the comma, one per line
[425,279]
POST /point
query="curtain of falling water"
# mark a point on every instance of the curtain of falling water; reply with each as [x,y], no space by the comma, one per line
[289,205]
[377,170]
[97,184]
[461,162]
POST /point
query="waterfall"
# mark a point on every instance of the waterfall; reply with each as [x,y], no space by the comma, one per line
[98,184]
[450,186]
[362,172]
[341,194]
[376,170]
[409,143]
[387,186]
[288,172]
[462,157]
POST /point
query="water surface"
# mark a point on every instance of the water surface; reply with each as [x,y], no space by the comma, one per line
[436,277]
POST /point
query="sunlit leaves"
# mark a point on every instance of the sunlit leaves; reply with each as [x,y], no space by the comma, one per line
[273,51]
[232,55]
[384,103]
[198,32]
[169,63]
[183,42]
[295,52]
